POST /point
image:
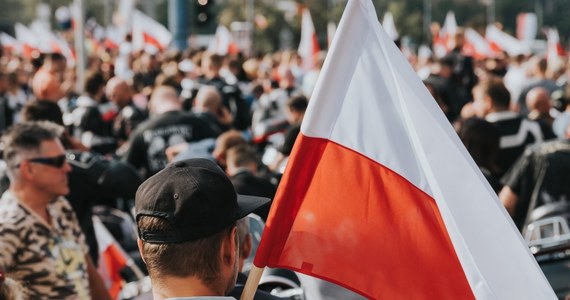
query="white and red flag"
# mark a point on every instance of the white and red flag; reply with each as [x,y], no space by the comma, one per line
[309,46]
[10,43]
[27,39]
[477,46]
[223,42]
[501,40]
[554,51]
[149,32]
[442,43]
[112,258]
[380,195]
[527,27]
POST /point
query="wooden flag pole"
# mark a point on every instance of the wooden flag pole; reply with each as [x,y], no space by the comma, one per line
[252,282]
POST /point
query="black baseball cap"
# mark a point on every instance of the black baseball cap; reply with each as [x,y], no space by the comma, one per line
[196,197]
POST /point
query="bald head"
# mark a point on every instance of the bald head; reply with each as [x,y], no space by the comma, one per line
[208,99]
[118,91]
[538,99]
[164,98]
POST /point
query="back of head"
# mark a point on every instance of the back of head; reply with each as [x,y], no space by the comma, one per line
[94,83]
[298,103]
[164,98]
[42,111]
[211,64]
[208,99]
[118,91]
[186,217]
[226,141]
[481,139]
[241,156]
[537,99]
[55,60]
[495,89]
[193,258]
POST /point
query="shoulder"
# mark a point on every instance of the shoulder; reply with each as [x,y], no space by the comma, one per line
[10,211]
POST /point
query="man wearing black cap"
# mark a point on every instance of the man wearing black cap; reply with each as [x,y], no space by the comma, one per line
[186,217]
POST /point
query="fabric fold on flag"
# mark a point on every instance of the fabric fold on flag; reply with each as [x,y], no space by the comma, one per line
[379,194]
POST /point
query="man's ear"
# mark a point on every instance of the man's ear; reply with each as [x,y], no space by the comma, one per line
[247,247]
[26,170]
[488,103]
[140,244]
[229,250]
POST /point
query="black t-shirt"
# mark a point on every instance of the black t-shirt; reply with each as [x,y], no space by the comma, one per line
[233,100]
[290,136]
[540,173]
[127,121]
[149,141]
[516,133]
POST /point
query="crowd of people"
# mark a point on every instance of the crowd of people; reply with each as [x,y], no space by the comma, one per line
[180,121]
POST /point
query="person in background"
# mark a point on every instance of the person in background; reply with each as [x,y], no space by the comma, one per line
[167,126]
[481,139]
[491,102]
[186,217]
[539,105]
[242,166]
[37,221]
[539,177]
[129,115]
[562,121]
[48,83]
[296,107]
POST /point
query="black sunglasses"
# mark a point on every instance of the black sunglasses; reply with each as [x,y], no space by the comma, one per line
[56,162]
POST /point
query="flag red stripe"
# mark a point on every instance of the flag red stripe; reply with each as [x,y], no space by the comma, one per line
[149,39]
[417,259]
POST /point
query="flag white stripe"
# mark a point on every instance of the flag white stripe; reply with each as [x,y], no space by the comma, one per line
[421,146]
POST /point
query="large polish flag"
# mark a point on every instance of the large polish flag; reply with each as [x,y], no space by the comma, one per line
[308,46]
[380,196]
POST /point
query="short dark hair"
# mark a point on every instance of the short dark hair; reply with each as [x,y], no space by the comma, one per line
[496,90]
[198,258]
[27,137]
[94,82]
[242,155]
[42,111]
[298,103]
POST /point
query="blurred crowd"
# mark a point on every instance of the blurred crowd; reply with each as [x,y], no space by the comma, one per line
[139,111]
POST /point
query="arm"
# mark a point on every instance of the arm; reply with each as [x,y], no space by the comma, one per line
[98,290]
[509,199]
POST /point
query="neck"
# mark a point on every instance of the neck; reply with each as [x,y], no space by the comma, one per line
[33,199]
[172,287]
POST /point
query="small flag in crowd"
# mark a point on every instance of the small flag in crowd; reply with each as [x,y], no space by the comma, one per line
[309,46]
[112,258]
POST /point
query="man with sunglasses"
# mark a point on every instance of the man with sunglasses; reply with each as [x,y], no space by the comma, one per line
[42,243]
